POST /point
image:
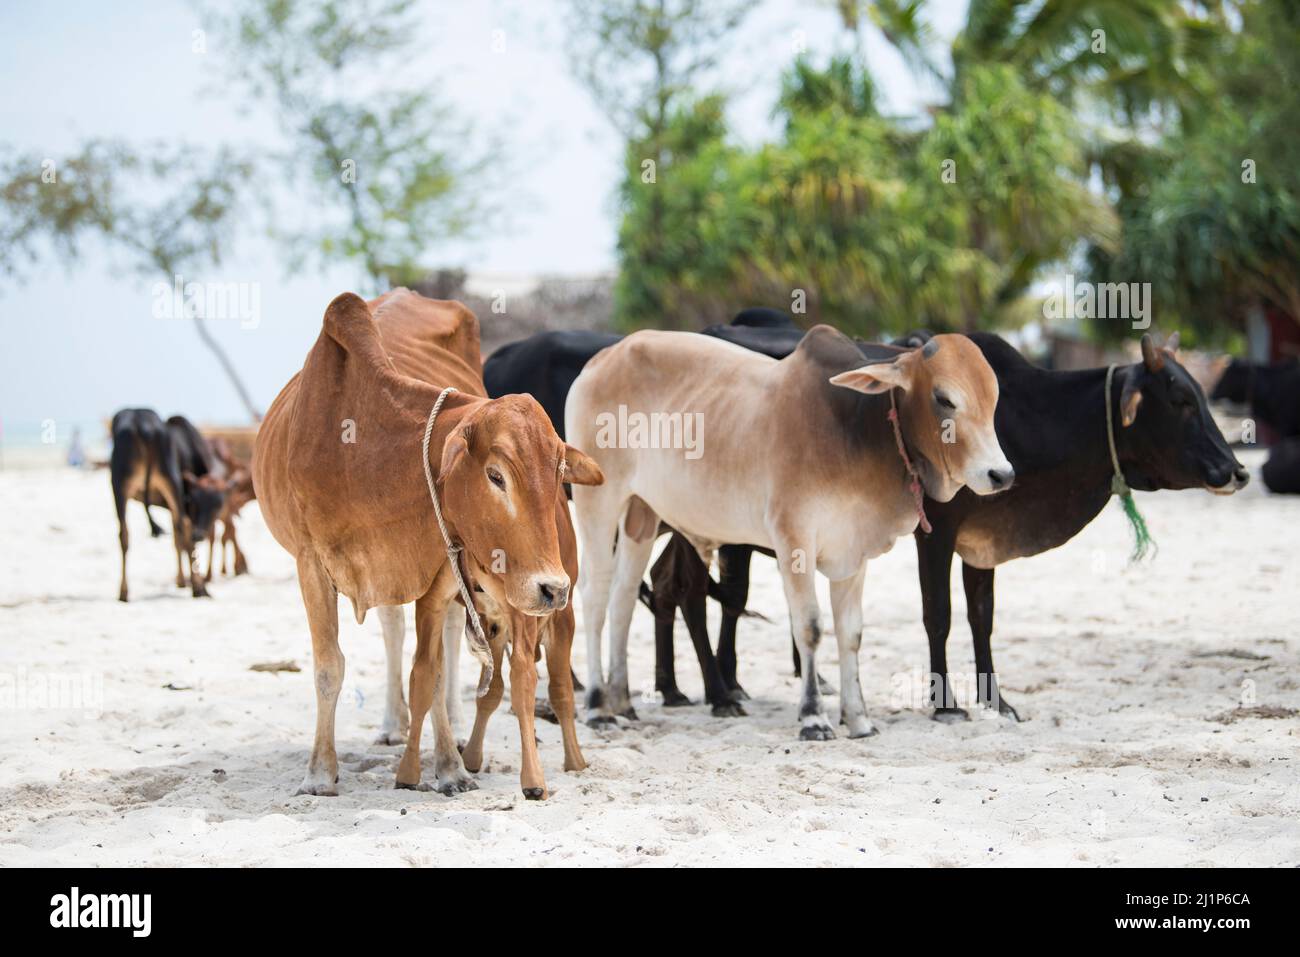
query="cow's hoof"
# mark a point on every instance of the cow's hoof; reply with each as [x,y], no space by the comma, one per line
[400,785]
[390,737]
[457,784]
[816,732]
[950,715]
[870,731]
[121,596]
[1007,711]
[738,694]
[535,794]
[629,712]
[601,721]
[318,789]
[543,711]
[675,699]
[728,709]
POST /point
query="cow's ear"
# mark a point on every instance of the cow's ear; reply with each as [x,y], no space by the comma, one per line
[1130,398]
[580,468]
[1171,345]
[1151,356]
[454,450]
[877,377]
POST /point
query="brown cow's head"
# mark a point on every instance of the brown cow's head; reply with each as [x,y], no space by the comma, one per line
[949,395]
[498,483]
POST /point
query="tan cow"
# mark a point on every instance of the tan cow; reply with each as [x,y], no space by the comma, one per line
[339,474]
[798,455]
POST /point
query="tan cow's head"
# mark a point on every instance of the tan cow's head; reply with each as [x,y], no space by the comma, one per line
[499,481]
[949,395]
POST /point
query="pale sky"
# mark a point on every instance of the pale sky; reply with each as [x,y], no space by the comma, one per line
[79,340]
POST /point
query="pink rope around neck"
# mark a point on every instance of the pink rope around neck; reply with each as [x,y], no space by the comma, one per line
[915,484]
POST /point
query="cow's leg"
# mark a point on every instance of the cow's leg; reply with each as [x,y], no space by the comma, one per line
[597,527]
[798,572]
[322,603]
[453,629]
[180,561]
[485,707]
[934,565]
[663,595]
[429,695]
[197,588]
[979,612]
[392,730]
[558,644]
[241,563]
[733,584]
[630,563]
[846,607]
[665,666]
[212,553]
[694,612]
[120,498]
[523,698]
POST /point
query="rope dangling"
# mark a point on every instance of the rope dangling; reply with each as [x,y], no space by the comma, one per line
[918,494]
[478,643]
[1143,543]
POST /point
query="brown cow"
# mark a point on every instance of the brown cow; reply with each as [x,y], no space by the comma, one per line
[339,474]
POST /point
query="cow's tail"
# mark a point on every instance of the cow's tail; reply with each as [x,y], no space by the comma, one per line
[715,592]
[647,597]
[154,529]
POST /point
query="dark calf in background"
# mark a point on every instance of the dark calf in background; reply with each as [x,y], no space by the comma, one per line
[166,464]
[1272,392]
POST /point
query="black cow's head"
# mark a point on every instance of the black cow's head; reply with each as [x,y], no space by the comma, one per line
[204,497]
[1169,439]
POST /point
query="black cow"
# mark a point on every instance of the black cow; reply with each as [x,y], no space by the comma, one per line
[1281,473]
[1271,390]
[1052,427]
[166,464]
[544,366]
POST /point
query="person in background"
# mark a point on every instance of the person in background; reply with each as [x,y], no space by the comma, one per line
[76,454]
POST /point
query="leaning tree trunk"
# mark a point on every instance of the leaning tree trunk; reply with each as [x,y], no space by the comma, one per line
[228,367]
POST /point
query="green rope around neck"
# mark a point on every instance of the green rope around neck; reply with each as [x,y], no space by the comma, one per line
[1143,543]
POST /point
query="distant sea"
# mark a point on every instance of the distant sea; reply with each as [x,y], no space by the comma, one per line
[35,445]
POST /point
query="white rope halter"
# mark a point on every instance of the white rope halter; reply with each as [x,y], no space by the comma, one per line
[478,641]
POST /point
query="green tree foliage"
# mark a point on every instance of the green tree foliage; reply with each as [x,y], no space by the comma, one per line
[391,169]
[1213,243]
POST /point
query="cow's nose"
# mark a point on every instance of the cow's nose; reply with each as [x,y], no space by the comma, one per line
[553,592]
[1001,478]
[1240,476]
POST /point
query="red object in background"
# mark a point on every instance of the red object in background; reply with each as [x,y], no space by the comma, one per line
[1283,335]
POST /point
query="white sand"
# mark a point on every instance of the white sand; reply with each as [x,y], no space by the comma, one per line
[1120,673]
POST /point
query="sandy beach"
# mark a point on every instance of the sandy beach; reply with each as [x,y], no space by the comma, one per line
[1158,702]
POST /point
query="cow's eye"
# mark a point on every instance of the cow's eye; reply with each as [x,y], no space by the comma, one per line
[945,403]
[496,478]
